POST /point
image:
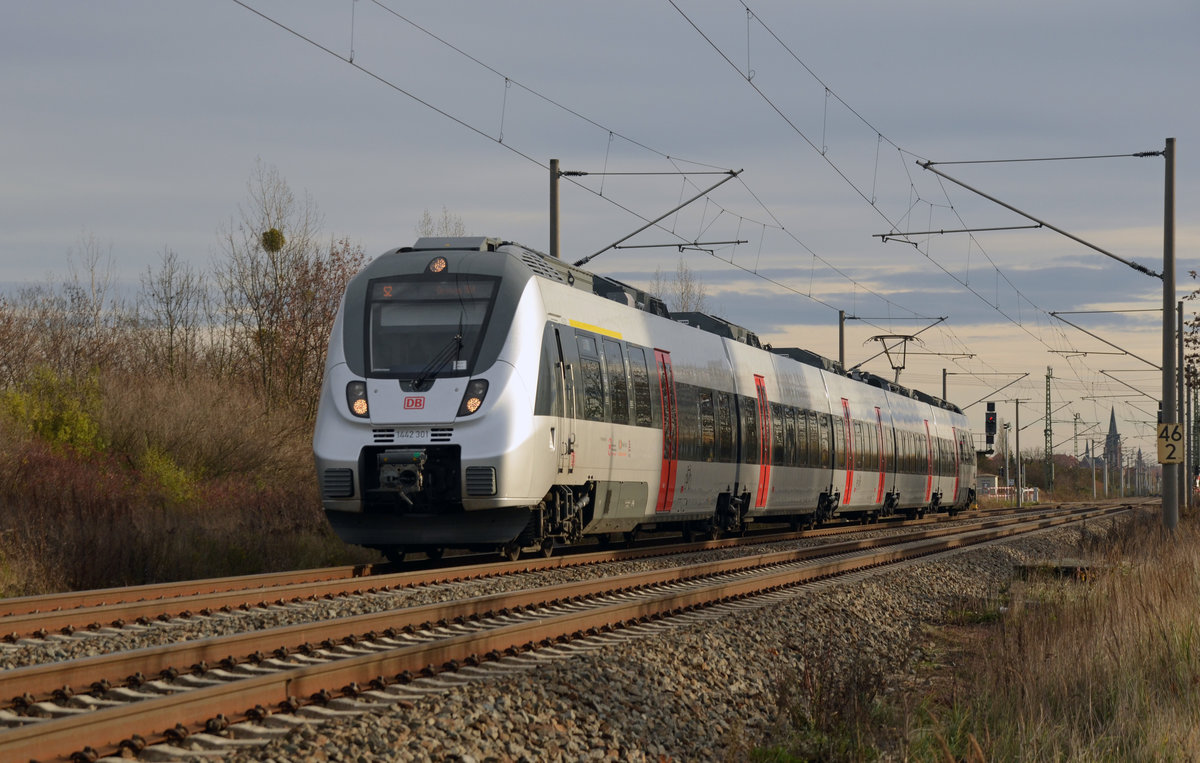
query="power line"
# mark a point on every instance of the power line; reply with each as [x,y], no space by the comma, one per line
[742,220]
[748,76]
[499,139]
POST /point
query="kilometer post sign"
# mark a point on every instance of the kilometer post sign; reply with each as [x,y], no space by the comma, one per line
[1170,443]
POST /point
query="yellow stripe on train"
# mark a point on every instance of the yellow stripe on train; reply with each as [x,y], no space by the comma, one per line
[595,329]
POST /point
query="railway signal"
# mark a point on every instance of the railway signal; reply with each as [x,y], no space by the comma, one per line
[989,423]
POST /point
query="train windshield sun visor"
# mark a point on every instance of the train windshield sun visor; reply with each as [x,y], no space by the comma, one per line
[423,326]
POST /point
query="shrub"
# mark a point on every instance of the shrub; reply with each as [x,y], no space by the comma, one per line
[60,411]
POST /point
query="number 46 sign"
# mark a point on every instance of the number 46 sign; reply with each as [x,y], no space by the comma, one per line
[1170,443]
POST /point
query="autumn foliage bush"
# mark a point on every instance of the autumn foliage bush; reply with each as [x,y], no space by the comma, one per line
[169,437]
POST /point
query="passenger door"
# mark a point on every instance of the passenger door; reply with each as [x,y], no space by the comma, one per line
[565,410]
[670,431]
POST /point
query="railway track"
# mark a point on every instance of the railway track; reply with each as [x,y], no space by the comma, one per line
[101,609]
[356,663]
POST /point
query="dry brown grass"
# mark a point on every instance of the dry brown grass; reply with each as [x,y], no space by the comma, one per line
[1102,669]
[210,428]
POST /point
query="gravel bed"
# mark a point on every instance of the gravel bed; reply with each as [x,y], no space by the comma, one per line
[56,648]
[707,690]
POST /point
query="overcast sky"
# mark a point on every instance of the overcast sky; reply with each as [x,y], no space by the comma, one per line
[137,125]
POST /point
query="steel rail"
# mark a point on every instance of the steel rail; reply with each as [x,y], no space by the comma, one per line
[20,605]
[191,708]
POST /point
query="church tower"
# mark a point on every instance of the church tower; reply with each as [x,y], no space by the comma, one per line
[1112,442]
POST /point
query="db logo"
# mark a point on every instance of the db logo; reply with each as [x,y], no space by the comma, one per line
[414,403]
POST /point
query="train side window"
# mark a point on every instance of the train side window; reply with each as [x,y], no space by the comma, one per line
[707,425]
[779,438]
[618,382]
[749,415]
[592,399]
[814,438]
[825,435]
[549,400]
[687,405]
[642,412]
[802,438]
[788,457]
[860,442]
[889,446]
[724,423]
[838,442]
[871,457]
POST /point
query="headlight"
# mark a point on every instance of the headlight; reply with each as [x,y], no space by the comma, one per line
[356,398]
[473,398]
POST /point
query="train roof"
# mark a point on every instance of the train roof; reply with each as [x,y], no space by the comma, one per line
[719,326]
[555,269]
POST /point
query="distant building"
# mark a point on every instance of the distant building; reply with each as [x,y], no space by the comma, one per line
[1089,461]
[1112,442]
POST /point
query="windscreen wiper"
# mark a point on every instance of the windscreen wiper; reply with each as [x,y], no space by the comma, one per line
[439,361]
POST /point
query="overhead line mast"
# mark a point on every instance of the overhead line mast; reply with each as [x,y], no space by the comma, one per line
[1049,435]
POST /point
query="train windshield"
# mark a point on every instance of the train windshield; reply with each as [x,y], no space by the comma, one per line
[421,327]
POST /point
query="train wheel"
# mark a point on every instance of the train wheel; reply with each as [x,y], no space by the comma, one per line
[435,553]
[547,547]
[511,552]
[394,554]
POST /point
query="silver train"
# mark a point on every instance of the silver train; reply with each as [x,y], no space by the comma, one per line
[482,395]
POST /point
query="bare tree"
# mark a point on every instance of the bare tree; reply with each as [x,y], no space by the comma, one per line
[256,281]
[280,288]
[18,343]
[71,328]
[170,310]
[683,293]
[448,225]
